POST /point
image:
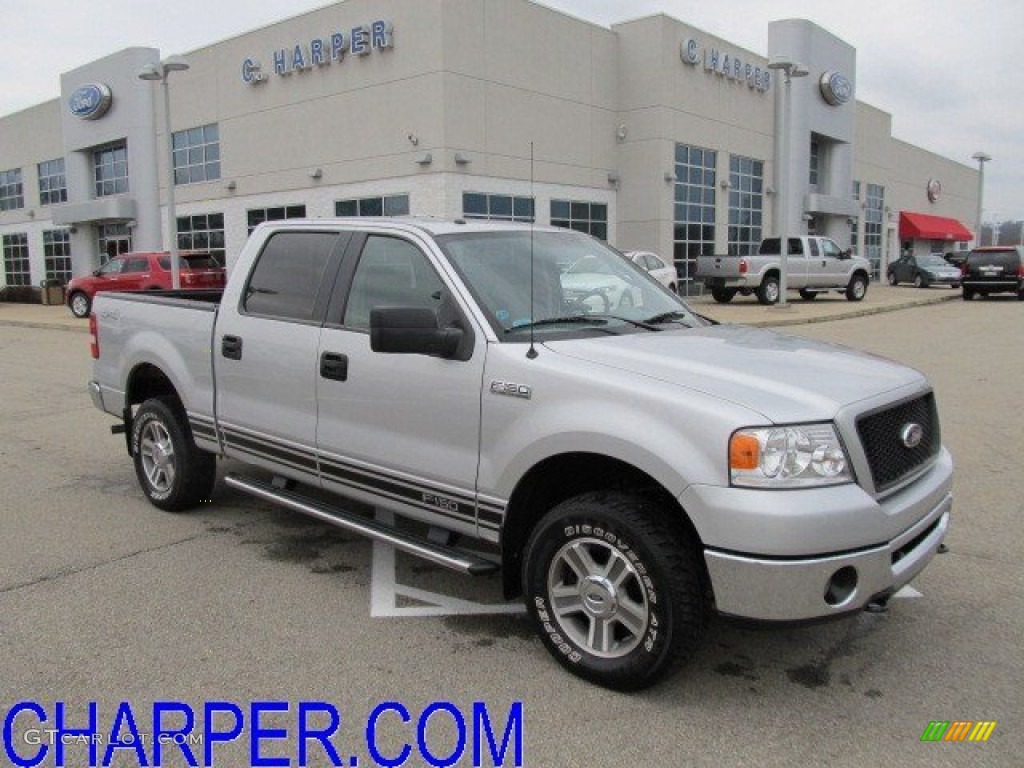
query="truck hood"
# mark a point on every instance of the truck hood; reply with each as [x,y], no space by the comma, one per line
[785,378]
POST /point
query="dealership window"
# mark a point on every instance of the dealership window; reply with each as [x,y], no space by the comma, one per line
[694,232]
[203,232]
[815,162]
[256,216]
[855,221]
[197,154]
[16,267]
[746,204]
[53,185]
[12,196]
[874,225]
[387,205]
[57,254]
[591,218]
[477,205]
[113,240]
[110,170]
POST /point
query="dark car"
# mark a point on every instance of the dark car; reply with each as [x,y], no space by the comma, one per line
[923,270]
[994,269]
[143,272]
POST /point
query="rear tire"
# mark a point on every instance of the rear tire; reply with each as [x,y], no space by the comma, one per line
[173,473]
[616,591]
[858,288]
[768,292]
[968,293]
[892,278]
[723,295]
[807,295]
[79,304]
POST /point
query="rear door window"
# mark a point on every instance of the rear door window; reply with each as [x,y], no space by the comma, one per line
[288,278]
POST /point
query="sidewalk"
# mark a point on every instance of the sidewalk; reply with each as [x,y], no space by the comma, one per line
[744,310]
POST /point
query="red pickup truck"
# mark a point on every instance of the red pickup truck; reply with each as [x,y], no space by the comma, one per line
[143,272]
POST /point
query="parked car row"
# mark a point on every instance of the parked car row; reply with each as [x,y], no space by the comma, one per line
[143,272]
[981,272]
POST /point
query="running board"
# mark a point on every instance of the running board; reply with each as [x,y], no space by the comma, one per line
[449,557]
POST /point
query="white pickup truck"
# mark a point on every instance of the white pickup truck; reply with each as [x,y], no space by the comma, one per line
[814,265]
[630,468]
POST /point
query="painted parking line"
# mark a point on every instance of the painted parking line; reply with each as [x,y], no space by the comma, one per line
[386,592]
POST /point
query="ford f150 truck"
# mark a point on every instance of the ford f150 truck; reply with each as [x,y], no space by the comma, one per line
[632,467]
[814,265]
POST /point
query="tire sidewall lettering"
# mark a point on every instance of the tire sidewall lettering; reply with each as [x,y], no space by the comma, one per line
[137,428]
[549,623]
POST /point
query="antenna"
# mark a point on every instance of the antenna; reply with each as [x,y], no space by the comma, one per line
[532,351]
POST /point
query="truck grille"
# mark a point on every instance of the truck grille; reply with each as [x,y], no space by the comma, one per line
[881,434]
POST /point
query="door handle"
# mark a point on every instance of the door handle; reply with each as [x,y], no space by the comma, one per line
[231,347]
[334,365]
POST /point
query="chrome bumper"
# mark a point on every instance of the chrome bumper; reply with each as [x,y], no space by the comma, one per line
[96,393]
[791,589]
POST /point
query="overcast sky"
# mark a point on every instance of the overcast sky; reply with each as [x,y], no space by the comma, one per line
[946,70]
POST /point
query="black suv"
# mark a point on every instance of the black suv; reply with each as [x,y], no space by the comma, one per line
[993,269]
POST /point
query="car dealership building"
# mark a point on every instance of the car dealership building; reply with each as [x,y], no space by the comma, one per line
[650,134]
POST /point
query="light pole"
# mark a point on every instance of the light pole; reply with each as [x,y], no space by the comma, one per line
[783,174]
[161,70]
[982,158]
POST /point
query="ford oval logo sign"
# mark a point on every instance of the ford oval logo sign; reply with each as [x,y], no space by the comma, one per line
[90,102]
[835,88]
[912,435]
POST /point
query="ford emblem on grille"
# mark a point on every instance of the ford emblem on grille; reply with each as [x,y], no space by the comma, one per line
[912,435]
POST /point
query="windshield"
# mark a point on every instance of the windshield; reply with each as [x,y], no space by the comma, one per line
[580,285]
[932,260]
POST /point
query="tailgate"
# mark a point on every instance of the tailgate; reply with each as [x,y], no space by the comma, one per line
[993,265]
[718,266]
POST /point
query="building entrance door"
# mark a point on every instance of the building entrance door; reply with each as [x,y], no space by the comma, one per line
[113,240]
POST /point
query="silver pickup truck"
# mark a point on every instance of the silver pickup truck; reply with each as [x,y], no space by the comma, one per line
[630,469]
[814,265]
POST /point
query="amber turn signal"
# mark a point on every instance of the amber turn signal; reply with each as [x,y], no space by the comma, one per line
[744,452]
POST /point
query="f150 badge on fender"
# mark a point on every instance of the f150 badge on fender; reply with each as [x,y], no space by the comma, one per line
[511,389]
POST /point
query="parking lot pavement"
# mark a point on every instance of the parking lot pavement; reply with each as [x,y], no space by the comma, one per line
[742,309]
[105,599]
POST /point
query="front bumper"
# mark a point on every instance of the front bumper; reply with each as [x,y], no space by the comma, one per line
[807,588]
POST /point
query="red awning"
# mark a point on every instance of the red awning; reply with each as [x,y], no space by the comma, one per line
[921,226]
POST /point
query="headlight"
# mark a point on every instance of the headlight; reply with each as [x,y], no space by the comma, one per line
[798,456]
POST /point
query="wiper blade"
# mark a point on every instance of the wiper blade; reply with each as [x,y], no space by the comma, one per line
[666,317]
[646,324]
[575,319]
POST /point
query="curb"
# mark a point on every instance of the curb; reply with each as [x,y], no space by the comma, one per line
[839,315]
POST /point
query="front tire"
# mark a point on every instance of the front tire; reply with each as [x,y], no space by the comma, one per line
[808,295]
[919,282]
[79,304]
[173,473]
[614,588]
[858,288]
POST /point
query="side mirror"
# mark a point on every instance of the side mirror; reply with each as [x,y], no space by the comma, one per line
[411,331]
[96,273]
[848,253]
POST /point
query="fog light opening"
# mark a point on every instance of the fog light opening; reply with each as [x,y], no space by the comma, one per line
[841,586]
